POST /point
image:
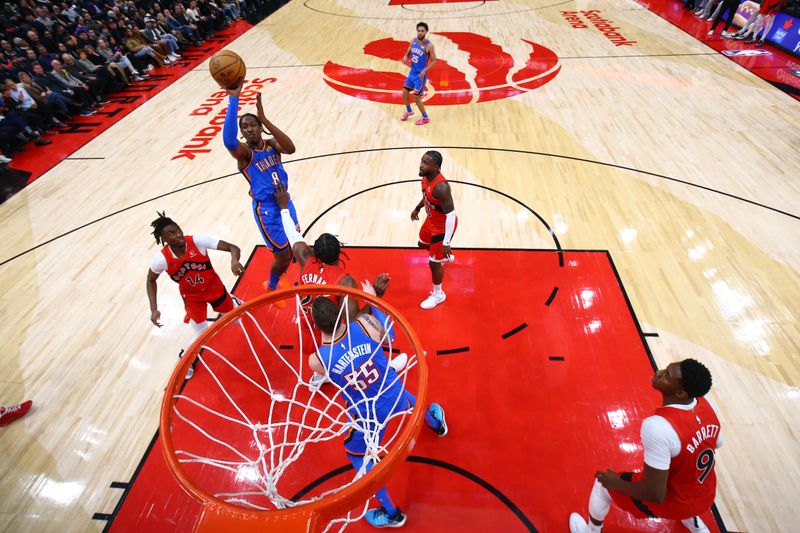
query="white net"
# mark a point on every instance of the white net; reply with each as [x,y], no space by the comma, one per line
[255,428]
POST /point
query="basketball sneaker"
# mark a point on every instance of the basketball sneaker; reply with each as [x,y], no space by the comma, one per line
[578,525]
[695,525]
[398,362]
[282,284]
[405,115]
[433,300]
[422,121]
[9,413]
[380,518]
[436,411]
[318,380]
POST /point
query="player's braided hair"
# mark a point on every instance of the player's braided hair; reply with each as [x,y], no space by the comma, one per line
[696,378]
[256,119]
[436,156]
[159,224]
[327,248]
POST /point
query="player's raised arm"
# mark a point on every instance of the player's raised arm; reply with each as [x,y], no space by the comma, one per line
[373,319]
[240,151]
[300,250]
[281,142]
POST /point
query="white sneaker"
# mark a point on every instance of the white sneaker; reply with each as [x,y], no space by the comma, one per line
[398,362]
[173,57]
[577,524]
[318,380]
[433,300]
[4,159]
[695,525]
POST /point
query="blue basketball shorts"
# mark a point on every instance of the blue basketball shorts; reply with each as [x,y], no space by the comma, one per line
[414,84]
[355,443]
[268,220]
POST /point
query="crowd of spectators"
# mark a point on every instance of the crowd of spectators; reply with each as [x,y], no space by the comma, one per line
[760,21]
[59,59]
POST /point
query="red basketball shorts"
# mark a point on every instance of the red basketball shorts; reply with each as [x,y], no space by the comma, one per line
[432,236]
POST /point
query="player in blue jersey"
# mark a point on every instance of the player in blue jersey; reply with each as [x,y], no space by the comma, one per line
[352,357]
[260,162]
[422,57]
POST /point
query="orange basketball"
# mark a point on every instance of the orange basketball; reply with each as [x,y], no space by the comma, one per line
[227,69]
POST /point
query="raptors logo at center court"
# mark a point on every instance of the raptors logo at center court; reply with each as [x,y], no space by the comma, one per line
[496,75]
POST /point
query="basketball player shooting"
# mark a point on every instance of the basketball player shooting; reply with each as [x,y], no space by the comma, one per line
[352,357]
[678,480]
[440,224]
[259,160]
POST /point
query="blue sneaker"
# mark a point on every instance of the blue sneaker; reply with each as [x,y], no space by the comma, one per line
[436,411]
[380,518]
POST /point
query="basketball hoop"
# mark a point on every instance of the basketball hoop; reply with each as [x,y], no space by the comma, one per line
[255,444]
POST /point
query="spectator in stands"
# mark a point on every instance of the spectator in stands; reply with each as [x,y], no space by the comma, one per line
[762,23]
[59,103]
[33,111]
[115,57]
[161,24]
[137,45]
[155,36]
[178,21]
[54,86]
[77,87]
[729,7]
[45,58]
[93,61]
[19,125]
[98,82]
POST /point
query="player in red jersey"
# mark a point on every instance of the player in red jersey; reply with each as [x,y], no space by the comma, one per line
[321,265]
[440,224]
[678,480]
[186,261]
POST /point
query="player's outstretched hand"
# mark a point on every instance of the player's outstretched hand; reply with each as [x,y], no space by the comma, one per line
[233,92]
[415,214]
[259,105]
[237,268]
[380,284]
[367,287]
[281,195]
[155,316]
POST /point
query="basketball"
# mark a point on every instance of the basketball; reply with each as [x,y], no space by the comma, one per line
[227,69]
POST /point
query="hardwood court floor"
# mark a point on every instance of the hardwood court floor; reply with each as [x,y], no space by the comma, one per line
[677,161]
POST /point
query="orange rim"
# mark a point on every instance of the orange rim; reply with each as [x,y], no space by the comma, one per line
[218,515]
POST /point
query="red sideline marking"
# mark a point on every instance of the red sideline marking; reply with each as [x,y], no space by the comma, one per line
[38,160]
[534,429]
[773,67]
